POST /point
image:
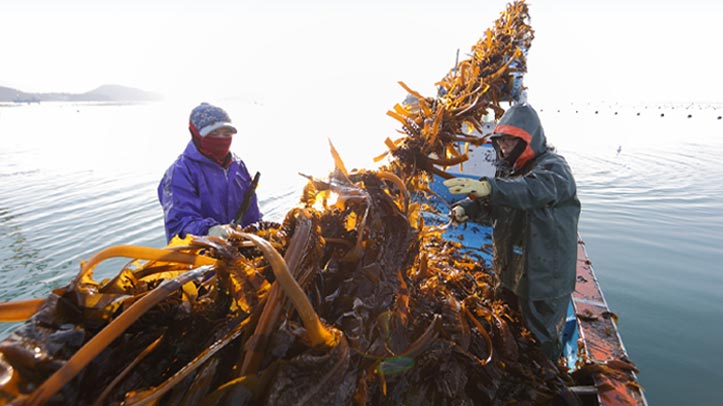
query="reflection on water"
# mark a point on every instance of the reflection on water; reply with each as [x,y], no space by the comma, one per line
[651,220]
[83,177]
[19,258]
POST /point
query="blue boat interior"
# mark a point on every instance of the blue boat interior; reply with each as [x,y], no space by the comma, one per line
[476,241]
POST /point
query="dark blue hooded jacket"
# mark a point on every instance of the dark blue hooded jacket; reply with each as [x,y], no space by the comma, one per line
[196,193]
[534,211]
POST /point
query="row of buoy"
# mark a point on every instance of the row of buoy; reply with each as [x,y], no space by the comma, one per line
[660,107]
[637,113]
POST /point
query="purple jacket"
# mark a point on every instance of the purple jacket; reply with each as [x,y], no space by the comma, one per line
[196,193]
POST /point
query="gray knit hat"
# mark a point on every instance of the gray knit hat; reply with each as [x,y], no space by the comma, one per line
[206,118]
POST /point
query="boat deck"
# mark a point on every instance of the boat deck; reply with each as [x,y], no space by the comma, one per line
[600,343]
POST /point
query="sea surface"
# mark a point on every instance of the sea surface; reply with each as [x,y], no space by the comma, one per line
[77,178]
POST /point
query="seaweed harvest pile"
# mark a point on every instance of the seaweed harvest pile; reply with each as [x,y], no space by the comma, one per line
[436,127]
[351,300]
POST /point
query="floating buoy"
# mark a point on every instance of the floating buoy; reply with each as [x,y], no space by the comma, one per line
[662,114]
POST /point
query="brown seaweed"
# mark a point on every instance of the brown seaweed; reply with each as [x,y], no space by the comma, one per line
[351,300]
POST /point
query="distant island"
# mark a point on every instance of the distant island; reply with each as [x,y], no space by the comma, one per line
[105,93]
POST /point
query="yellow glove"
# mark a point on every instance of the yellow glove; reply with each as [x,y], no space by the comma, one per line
[475,188]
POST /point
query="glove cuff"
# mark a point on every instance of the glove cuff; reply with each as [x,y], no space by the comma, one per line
[492,183]
[477,210]
[471,207]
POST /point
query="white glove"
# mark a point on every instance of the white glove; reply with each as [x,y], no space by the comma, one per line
[220,230]
[458,215]
[475,188]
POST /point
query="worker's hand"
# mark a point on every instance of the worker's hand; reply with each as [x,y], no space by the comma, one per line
[220,230]
[475,188]
[457,215]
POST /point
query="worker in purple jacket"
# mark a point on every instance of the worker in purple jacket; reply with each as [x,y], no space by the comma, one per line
[203,189]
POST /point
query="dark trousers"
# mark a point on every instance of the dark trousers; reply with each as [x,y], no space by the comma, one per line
[544,318]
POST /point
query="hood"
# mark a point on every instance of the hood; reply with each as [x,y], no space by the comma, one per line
[521,121]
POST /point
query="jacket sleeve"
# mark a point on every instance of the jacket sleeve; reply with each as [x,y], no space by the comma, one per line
[182,204]
[478,210]
[546,185]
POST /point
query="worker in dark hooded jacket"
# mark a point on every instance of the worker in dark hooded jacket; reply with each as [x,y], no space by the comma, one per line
[533,209]
[204,188]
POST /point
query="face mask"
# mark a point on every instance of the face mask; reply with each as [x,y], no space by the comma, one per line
[215,148]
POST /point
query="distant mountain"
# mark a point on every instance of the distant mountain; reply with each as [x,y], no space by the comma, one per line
[109,93]
[122,93]
[8,94]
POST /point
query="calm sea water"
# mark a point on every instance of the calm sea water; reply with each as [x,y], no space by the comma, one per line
[77,178]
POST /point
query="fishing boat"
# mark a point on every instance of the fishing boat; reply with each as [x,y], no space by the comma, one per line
[357,298]
[594,352]
[591,339]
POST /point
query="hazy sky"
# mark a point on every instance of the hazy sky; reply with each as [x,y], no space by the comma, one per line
[615,50]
